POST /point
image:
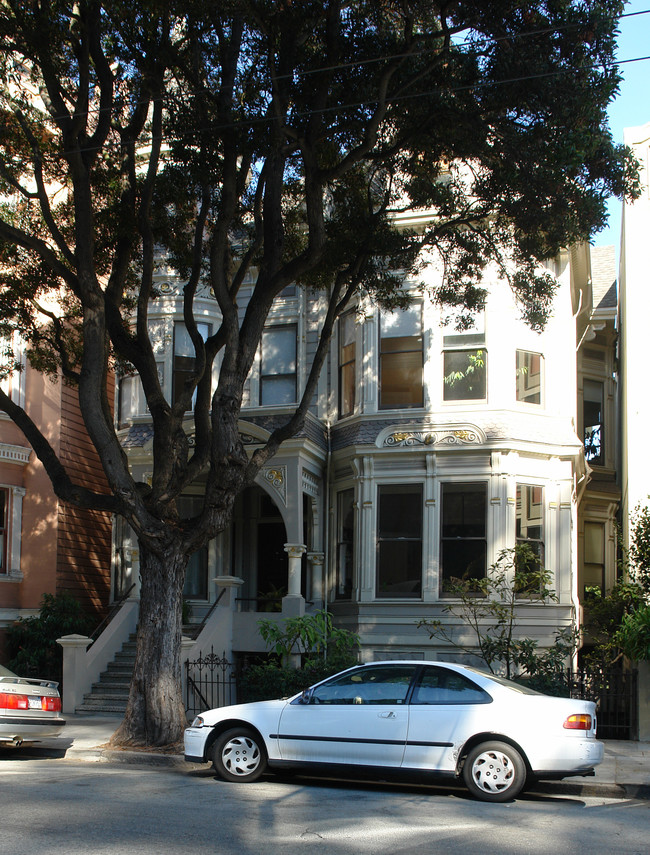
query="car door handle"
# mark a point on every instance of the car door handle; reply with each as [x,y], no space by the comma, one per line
[386,714]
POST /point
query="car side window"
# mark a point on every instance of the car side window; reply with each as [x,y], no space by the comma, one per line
[444,686]
[381,684]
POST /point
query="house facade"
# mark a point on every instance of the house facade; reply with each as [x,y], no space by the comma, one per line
[428,451]
[634,303]
[48,547]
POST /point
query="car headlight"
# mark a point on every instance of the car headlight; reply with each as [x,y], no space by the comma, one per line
[198,722]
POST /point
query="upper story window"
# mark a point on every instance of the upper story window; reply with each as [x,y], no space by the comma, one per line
[278,365]
[594,429]
[184,358]
[401,358]
[12,365]
[464,531]
[399,541]
[4,505]
[529,377]
[465,361]
[347,364]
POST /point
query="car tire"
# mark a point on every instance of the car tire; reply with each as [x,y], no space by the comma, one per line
[494,772]
[239,755]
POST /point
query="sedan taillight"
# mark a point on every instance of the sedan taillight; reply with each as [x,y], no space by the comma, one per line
[579,721]
[12,701]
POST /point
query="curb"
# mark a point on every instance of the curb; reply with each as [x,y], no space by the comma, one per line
[545,788]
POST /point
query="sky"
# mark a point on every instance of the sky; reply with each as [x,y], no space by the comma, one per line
[632,107]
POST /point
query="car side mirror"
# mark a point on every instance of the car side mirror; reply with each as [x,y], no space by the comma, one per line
[306,696]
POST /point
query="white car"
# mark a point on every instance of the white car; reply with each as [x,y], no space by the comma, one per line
[409,717]
[30,709]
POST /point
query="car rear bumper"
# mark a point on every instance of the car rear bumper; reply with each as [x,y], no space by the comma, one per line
[13,728]
[567,757]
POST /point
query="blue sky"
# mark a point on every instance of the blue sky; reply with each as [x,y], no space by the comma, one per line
[632,107]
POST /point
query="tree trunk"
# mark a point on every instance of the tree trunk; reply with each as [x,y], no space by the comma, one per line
[155,713]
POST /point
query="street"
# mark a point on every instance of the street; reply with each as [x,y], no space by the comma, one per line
[68,807]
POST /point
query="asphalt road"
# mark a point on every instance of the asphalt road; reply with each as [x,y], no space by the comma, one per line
[64,807]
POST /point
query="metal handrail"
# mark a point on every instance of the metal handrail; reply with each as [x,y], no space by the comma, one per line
[114,609]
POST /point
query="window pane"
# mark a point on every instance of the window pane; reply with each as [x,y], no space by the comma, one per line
[593,395]
[440,686]
[401,358]
[399,548]
[401,380]
[464,528]
[402,323]
[279,351]
[464,375]
[529,377]
[377,685]
[184,360]
[278,366]
[278,390]
[345,543]
[196,580]
[529,532]
[347,364]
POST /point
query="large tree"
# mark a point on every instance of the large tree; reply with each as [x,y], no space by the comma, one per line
[283,139]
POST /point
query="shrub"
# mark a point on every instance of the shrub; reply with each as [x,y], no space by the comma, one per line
[31,642]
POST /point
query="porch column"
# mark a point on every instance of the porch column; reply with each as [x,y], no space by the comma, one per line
[317,559]
[294,603]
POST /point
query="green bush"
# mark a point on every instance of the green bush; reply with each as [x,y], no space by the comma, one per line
[323,649]
[633,635]
[272,680]
[31,642]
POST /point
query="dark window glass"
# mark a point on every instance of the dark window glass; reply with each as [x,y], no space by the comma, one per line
[377,684]
[594,435]
[399,546]
[278,366]
[184,358]
[464,526]
[347,364]
[465,375]
[529,375]
[345,544]
[401,358]
[3,531]
[441,686]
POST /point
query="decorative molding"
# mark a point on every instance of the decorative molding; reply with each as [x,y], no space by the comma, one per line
[14,454]
[408,437]
[310,483]
[277,478]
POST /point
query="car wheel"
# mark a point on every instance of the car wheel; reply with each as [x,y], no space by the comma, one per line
[239,755]
[494,772]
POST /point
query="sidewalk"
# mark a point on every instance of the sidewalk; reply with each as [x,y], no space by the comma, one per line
[624,773]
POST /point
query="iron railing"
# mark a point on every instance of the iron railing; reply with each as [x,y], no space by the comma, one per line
[209,683]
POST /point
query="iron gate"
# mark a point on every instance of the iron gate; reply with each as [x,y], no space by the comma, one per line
[209,683]
[615,693]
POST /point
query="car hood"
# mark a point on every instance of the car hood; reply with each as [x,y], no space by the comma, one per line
[247,712]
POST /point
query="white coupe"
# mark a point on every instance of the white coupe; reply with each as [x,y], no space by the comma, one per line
[410,717]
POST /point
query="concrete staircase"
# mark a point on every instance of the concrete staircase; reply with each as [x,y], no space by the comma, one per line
[111,692]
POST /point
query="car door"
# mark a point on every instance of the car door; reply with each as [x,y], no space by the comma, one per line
[359,717]
[445,708]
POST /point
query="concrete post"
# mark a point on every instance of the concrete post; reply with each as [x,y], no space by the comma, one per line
[74,670]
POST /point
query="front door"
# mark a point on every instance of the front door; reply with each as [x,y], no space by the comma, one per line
[358,718]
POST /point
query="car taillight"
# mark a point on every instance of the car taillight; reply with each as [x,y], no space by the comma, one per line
[14,702]
[579,721]
[11,701]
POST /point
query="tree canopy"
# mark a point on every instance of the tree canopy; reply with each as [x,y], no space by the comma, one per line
[287,141]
